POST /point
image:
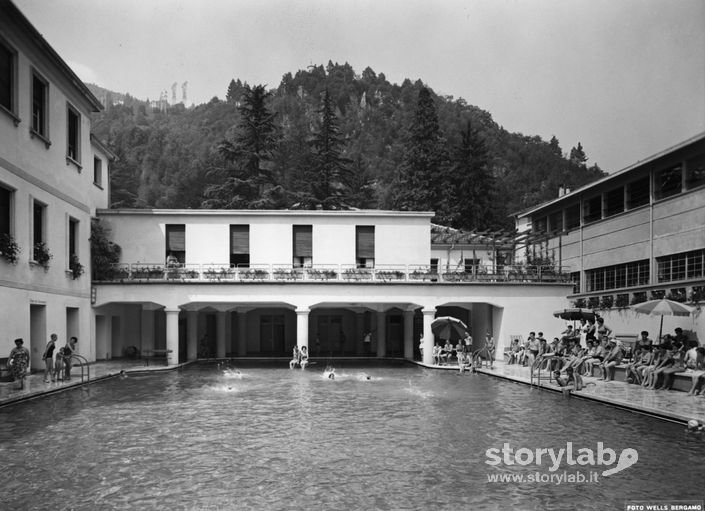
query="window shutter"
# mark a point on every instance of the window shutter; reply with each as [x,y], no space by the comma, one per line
[176,238]
[303,241]
[365,241]
[239,239]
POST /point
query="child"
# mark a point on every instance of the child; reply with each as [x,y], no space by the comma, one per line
[59,365]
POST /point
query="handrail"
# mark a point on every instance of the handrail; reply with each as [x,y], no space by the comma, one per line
[82,361]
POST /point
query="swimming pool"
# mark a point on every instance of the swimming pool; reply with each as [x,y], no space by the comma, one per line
[270,438]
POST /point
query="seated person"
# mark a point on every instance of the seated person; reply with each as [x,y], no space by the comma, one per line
[295,359]
[436,354]
[446,351]
[678,366]
[679,339]
[696,368]
[171,261]
[662,361]
[612,359]
[642,356]
[597,358]
[513,351]
[643,340]
[568,333]
[303,359]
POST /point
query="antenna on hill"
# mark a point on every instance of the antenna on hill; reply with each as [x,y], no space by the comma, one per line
[184,92]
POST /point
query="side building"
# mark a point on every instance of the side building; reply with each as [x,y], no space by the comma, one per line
[635,235]
[53,176]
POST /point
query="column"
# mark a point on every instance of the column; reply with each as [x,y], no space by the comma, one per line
[220,334]
[147,343]
[302,327]
[172,335]
[241,333]
[359,333]
[428,316]
[409,335]
[191,335]
[381,334]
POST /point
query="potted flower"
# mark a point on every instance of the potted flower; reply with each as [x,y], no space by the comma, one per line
[42,255]
[9,248]
[75,266]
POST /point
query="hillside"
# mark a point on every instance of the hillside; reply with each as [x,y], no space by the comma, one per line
[168,157]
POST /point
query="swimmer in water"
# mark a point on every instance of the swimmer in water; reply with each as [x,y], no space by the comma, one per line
[123,374]
[329,373]
[695,427]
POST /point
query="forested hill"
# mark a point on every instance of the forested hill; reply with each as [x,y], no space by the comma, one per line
[327,137]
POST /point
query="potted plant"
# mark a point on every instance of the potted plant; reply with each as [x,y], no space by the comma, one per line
[9,248]
[75,266]
[622,300]
[606,302]
[42,255]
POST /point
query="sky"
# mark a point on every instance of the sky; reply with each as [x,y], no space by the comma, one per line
[625,78]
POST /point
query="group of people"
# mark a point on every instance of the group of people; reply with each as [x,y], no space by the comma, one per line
[299,357]
[57,367]
[463,352]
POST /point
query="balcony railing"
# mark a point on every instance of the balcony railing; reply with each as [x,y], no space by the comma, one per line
[391,274]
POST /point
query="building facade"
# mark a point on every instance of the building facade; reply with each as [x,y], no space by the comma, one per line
[635,235]
[53,177]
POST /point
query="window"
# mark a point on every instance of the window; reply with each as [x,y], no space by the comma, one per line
[98,172]
[73,138]
[5,211]
[38,223]
[638,193]
[39,106]
[365,246]
[434,265]
[555,222]
[614,201]
[667,182]
[695,172]
[176,242]
[73,238]
[303,240]
[592,209]
[539,225]
[575,279]
[617,276]
[471,265]
[572,216]
[240,246]
[680,266]
[8,61]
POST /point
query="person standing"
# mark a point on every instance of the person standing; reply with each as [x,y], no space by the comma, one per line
[48,358]
[69,350]
[18,362]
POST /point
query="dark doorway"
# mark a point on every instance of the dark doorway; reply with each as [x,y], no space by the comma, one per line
[272,335]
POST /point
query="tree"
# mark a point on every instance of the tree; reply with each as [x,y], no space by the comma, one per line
[421,181]
[330,176]
[472,193]
[246,177]
[577,155]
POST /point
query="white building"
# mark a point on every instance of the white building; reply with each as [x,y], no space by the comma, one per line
[53,177]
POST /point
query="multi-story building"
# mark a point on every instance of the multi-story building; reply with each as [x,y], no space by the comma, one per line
[244,283]
[53,177]
[634,235]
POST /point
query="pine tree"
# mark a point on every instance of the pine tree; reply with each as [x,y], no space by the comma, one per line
[246,179]
[472,191]
[421,181]
[330,176]
[577,155]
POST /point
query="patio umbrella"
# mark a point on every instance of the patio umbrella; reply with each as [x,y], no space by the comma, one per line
[663,307]
[575,314]
[448,327]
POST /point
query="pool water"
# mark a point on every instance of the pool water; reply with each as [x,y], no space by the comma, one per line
[271,438]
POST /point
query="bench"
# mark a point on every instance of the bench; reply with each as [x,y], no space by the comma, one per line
[161,355]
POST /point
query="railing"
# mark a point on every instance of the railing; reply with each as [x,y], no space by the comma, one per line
[83,363]
[154,272]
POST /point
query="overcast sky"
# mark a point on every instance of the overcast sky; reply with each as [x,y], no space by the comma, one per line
[626,78]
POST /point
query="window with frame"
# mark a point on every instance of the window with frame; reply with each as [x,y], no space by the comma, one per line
[365,246]
[73,134]
[592,209]
[685,265]
[40,90]
[617,276]
[695,172]
[5,210]
[667,182]
[240,246]
[97,171]
[575,279]
[303,246]
[614,201]
[73,238]
[572,216]
[38,225]
[638,192]
[176,242]
[434,265]
[539,225]
[8,60]
[470,265]
[555,222]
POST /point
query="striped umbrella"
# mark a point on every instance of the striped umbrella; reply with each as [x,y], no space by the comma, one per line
[663,307]
[448,327]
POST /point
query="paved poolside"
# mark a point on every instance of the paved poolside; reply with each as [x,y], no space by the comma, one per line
[670,405]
